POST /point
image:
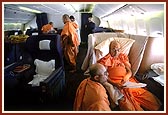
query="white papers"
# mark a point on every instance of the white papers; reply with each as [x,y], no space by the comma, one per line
[129,84]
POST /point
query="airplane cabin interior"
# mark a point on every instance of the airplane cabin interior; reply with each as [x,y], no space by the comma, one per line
[36,75]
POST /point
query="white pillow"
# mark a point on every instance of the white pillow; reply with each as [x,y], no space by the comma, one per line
[43,67]
[44,44]
[103,47]
[125,43]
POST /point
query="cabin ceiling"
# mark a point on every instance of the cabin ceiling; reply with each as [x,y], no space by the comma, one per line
[13,14]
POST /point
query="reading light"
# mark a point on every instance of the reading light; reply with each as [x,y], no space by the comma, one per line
[28,9]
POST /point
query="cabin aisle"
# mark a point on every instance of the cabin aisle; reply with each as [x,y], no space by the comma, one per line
[74,79]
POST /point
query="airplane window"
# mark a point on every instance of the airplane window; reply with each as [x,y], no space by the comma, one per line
[141,28]
[12,26]
[131,26]
[125,26]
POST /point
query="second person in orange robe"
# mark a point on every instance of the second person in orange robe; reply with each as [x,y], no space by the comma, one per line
[48,28]
[69,41]
[91,94]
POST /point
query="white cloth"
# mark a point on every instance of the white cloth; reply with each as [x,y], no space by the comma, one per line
[78,32]
[43,70]
[114,92]
[158,68]
[37,79]
[159,79]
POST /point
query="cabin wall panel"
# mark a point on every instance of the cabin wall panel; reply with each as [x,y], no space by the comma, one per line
[141,27]
[154,53]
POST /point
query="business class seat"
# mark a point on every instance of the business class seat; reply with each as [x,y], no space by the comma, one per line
[43,49]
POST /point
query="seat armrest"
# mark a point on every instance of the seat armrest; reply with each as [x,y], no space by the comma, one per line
[52,87]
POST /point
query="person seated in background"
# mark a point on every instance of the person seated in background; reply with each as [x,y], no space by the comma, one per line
[91,94]
[48,28]
[90,26]
[136,98]
[70,42]
[75,23]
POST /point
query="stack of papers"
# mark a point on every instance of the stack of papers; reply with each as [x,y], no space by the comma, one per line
[129,84]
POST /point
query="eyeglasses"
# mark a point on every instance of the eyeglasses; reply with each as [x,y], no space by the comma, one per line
[115,49]
[105,73]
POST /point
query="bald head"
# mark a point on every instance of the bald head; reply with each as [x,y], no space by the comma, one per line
[65,18]
[94,69]
[114,43]
[98,72]
[114,48]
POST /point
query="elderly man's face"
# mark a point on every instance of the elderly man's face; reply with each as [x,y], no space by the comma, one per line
[103,74]
[114,49]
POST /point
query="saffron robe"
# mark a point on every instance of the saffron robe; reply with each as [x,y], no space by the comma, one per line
[70,43]
[91,96]
[135,99]
[46,28]
[77,30]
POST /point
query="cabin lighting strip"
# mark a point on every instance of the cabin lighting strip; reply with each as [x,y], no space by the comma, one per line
[28,9]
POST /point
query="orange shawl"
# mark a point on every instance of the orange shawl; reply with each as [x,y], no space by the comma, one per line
[46,28]
[70,31]
[136,99]
[69,41]
[91,96]
[75,25]
[116,67]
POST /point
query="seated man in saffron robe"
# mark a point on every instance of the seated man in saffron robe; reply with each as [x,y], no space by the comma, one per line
[135,97]
[48,28]
[91,95]
[70,42]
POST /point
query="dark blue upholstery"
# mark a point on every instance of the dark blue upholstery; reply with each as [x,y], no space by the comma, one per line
[32,46]
[49,89]
[53,86]
[102,29]
[29,32]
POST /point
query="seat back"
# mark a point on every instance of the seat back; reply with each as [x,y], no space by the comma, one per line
[44,54]
[47,47]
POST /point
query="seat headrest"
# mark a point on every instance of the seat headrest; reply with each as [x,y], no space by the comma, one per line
[44,44]
[42,47]
[45,47]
